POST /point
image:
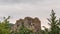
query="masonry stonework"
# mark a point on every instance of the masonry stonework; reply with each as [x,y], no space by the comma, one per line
[31,23]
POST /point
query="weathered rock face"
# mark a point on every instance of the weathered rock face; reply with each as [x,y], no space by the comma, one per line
[33,24]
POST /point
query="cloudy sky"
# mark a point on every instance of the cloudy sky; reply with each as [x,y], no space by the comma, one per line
[33,8]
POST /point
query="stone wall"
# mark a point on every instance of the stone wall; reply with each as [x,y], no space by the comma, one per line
[32,23]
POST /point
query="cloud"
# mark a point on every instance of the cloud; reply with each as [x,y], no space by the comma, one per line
[17,1]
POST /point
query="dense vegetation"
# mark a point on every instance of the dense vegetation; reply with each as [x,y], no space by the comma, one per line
[53,23]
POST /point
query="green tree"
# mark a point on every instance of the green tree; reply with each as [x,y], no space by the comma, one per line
[53,23]
[4,26]
[25,30]
[45,31]
[58,25]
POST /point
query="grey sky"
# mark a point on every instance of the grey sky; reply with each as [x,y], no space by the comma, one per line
[33,8]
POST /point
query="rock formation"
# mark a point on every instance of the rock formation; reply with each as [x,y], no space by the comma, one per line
[31,23]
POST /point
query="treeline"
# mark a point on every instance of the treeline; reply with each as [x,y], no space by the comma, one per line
[54,23]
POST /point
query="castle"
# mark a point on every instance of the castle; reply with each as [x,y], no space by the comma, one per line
[31,23]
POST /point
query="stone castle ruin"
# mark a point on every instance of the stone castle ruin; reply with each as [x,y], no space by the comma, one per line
[31,23]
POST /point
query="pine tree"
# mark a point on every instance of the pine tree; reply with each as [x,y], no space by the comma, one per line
[53,23]
[58,25]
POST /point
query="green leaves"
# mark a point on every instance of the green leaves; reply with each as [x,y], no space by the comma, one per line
[24,30]
[4,26]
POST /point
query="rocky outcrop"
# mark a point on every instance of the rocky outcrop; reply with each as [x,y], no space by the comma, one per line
[32,23]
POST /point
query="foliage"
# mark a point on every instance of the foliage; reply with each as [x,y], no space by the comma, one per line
[24,30]
[4,26]
[54,25]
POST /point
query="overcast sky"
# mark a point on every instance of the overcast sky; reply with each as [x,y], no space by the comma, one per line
[34,8]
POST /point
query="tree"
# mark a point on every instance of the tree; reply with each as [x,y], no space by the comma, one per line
[4,26]
[53,23]
[24,30]
[58,25]
[45,31]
